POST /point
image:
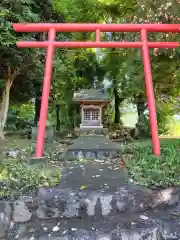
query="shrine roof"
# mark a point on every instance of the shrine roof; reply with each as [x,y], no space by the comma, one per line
[93,94]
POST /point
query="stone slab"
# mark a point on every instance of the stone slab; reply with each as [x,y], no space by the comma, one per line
[92,147]
[135,230]
[94,142]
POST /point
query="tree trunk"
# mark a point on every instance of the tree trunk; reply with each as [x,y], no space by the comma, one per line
[37,110]
[58,123]
[71,115]
[4,107]
[71,106]
[118,101]
[37,104]
[77,115]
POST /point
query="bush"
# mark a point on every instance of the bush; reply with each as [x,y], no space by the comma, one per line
[151,171]
[20,178]
[164,113]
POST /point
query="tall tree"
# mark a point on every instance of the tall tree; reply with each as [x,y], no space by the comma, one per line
[14,61]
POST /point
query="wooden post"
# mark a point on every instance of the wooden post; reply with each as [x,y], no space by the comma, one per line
[100,113]
[82,114]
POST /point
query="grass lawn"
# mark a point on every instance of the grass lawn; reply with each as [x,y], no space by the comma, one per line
[18,176]
[13,142]
[151,171]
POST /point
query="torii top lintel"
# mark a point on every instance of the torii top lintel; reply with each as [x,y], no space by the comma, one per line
[92,27]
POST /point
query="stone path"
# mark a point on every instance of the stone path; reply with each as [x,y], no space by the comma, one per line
[93,176]
[94,202]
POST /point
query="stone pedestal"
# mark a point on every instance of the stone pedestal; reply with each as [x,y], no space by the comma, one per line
[49,134]
[90,131]
[92,147]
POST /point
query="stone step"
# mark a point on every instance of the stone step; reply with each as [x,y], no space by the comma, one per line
[68,203]
[132,212]
[92,147]
[154,230]
[58,203]
[90,154]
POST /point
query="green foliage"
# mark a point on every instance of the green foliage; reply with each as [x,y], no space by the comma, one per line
[157,11]
[72,70]
[26,111]
[109,115]
[92,10]
[151,171]
[15,12]
[163,116]
[174,127]
[75,69]
[164,112]
[20,178]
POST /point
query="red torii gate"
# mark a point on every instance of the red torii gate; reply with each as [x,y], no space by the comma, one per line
[144,44]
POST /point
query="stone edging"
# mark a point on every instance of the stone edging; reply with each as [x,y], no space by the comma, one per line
[65,203]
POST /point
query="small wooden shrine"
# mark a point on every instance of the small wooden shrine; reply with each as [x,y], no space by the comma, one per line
[93,103]
[93,144]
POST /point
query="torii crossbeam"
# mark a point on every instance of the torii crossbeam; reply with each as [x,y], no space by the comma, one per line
[51,44]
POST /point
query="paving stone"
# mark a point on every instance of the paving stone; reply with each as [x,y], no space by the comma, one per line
[21,213]
[5,217]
